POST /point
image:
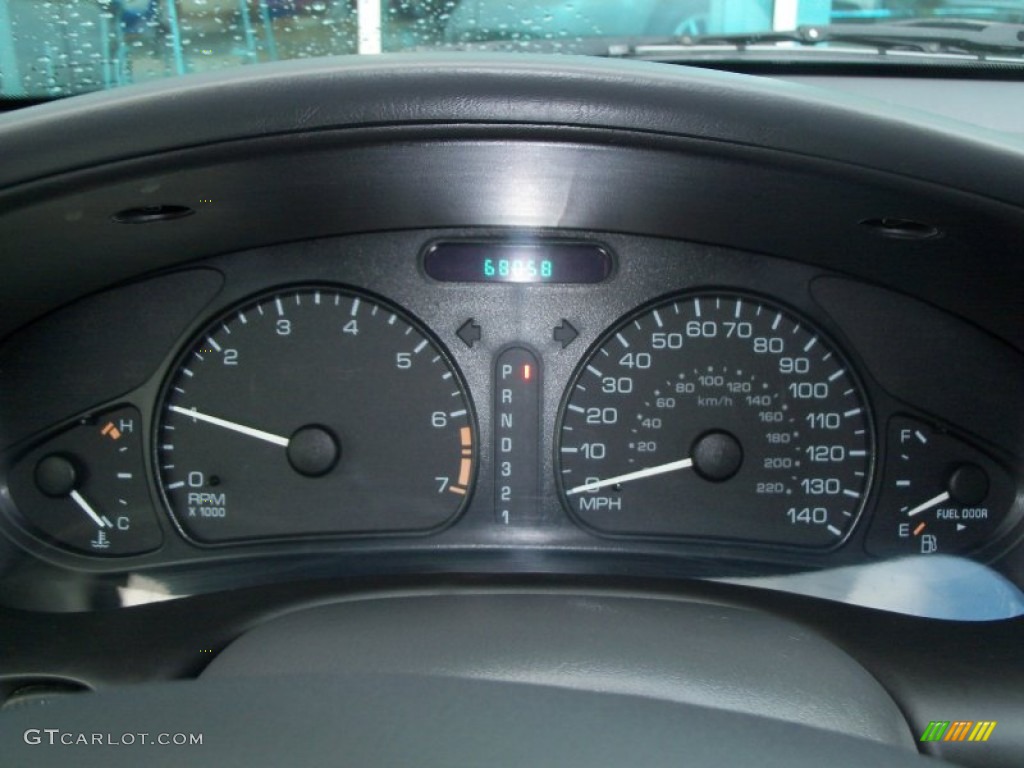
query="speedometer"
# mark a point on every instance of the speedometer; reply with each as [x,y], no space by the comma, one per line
[716,416]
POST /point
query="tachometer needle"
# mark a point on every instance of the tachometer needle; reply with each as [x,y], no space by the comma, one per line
[661,469]
[86,507]
[944,496]
[240,428]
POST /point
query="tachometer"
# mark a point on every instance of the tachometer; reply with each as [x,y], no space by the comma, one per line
[314,411]
[716,416]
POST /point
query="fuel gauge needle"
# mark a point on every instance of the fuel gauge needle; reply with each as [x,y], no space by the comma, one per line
[233,426]
[86,507]
[661,469]
[944,496]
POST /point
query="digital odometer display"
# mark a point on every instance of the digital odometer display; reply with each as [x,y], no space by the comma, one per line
[716,416]
[497,262]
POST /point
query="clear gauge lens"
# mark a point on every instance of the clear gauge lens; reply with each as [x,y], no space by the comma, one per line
[314,411]
[716,416]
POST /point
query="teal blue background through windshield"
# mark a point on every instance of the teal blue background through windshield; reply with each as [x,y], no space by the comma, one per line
[60,47]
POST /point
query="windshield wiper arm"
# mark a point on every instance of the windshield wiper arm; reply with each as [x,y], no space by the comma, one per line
[925,35]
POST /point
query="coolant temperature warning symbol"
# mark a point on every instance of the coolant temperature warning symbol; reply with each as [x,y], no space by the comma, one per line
[516,437]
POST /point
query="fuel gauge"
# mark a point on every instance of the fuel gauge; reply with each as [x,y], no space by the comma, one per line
[940,494]
[85,489]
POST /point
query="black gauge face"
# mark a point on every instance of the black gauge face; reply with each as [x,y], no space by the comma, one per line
[314,411]
[716,416]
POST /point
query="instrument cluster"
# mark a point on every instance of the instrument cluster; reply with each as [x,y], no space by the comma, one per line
[451,391]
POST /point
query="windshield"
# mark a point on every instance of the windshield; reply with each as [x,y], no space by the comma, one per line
[52,48]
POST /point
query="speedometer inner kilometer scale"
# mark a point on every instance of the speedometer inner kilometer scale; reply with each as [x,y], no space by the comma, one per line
[716,416]
[313,411]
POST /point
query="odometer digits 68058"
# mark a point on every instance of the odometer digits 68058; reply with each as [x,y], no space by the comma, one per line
[716,416]
[536,263]
[314,410]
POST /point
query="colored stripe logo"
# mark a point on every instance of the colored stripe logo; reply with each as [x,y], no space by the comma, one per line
[958,730]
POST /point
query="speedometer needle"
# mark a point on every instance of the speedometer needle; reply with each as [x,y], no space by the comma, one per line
[944,496]
[661,469]
[240,428]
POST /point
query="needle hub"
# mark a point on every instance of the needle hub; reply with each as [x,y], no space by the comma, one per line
[717,456]
[56,476]
[313,451]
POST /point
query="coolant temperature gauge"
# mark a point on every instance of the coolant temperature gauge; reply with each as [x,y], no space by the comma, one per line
[940,494]
[85,489]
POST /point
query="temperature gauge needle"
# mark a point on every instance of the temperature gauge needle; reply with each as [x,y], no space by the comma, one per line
[661,469]
[84,505]
[234,427]
[944,496]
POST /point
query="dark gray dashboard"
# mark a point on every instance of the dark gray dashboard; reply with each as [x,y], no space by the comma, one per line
[895,237]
